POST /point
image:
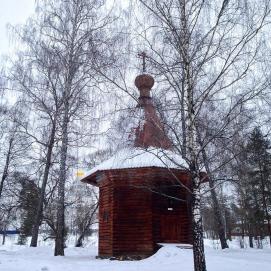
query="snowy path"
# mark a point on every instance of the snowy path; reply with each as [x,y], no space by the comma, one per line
[16,258]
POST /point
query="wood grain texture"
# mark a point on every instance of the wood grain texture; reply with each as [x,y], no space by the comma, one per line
[134,216]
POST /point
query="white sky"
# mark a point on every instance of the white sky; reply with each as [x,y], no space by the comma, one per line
[13,12]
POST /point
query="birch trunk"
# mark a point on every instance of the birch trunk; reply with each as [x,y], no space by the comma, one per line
[60,225]
[39,214]
[197,229]
[70,72]
[198,244]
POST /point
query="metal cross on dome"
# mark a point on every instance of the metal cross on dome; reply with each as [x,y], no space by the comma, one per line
[143,55]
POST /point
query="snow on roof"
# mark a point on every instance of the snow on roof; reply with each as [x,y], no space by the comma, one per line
[137,157]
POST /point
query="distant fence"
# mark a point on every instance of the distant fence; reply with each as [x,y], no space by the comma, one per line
[6,232]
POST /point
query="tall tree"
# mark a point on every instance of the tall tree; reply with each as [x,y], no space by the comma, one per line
[203,50]
[77,32]
[28,200]
[35,76]
[258,182]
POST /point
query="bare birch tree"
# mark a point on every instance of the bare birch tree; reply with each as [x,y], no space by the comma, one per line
[77,32]
[203,52]
[35,76]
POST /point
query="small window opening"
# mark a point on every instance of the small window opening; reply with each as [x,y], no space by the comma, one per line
[105,216]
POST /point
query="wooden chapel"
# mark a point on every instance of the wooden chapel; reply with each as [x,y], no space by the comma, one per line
[135,216]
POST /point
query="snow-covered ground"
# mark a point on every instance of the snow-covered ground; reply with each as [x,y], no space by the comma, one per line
[22,258]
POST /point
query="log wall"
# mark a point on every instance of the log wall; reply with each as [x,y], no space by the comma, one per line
[105,218]
[133,219]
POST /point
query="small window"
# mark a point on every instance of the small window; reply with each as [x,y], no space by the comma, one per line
[105,216]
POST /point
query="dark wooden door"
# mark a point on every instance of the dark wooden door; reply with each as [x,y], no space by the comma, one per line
[170,228]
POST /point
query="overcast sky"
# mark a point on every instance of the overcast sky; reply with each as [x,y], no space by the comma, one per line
[13,12]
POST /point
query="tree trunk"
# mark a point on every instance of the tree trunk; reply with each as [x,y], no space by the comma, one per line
[60,224]
[4,235]
[265,206]
[39,214]
[250,240]
[269,229]
[71,71]
[197,229]
[4,238]
[79,242]
[7,162]
[250,235]
[217,212]
[218,217]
